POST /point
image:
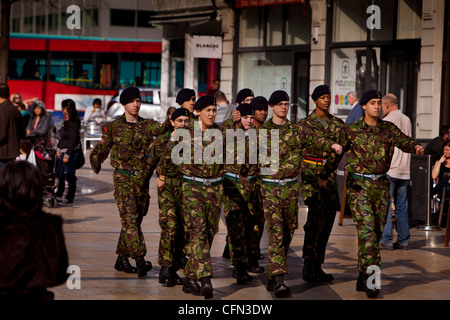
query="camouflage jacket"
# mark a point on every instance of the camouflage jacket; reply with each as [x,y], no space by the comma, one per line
[293,139]
[370,148]
[129,144]
[159,153]
[194,166]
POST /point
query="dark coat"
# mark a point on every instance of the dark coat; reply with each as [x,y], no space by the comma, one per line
[69,136]
[12,129]
[33,254]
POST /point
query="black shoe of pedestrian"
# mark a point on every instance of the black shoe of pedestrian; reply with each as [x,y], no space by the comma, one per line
[321,276]
[163,275]
[123,264]
[308,272]
[206,289]
[280,289]
[241,275]
[191,286]
[142,266]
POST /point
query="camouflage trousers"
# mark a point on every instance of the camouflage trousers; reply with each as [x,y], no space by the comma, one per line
[281,214]
[241,220]
[132,202]
[369,204]
[172,240]
[202,206]
[319,223]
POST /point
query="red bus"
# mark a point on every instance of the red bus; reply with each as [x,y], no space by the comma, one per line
[53,68]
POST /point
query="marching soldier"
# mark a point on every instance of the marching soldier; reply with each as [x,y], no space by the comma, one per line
[129,139]
[322,202]
[370,144]
[202,199]
[186,99]
[280,189]
[239,186]
[172,240]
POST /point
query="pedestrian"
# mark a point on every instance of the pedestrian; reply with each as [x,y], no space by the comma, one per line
[33,255]
[399,177]
[370,144]
[171,253]
[357,112]
[239,187]
[435,146]
[68,153]
[40,123]
[280,190]
[95,112]
[12,128]
[129,139]
[322,202]
[202,199]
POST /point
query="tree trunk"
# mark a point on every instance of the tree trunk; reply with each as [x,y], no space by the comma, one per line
[4,40]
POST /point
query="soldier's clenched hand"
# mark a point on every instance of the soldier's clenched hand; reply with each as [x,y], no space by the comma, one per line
[419,149]
[337,148]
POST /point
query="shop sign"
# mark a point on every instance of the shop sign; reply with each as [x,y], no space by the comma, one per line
[207,47]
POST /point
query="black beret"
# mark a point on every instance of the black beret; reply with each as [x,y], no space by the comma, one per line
[184,95]
[320,91]
[204,101]
[129,94]
[369,95]
[259,103]
[244,93]
[179,112]
[277,96]
[245,109]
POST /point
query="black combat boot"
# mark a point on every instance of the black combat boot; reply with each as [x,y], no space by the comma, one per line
[361,285]
[163,275]
[123,264]
[308,271]
[253,266]
[173,278]
[281,290]
[142,266]
[240,273]
[191,286]
[321,276]
[207,289]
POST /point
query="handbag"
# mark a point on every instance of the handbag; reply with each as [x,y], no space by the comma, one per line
[80,160]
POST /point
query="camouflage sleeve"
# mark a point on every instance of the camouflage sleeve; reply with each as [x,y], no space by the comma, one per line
[334,160]
[166,165]
[157,128]
[307,137]
[101,150]
[402,141]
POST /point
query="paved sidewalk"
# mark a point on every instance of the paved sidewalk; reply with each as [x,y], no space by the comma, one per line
[92,228]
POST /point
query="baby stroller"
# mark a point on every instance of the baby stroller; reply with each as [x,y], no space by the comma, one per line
[45,156]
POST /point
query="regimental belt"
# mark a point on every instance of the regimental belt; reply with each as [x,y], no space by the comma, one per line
[365,176]
[203,182]
[279,182]
[233,176]
[128,172]
[316,161]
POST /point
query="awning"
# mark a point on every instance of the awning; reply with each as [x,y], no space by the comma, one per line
[259,3]
[199,16]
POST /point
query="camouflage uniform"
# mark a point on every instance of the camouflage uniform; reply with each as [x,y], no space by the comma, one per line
[239,211]
[370,151]
[322,202]
[129,144]
[280,198]
[202,205]
[172,240]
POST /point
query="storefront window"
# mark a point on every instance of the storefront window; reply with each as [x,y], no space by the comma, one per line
[176,75]
[251,27]
[354,69]
[386,20]
[409,19]
[275,26]
[265,72]
[349,21]
[298,24]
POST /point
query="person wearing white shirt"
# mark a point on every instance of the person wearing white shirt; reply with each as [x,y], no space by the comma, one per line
[95,112]
[399,177]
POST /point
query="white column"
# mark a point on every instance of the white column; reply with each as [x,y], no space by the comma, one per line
[429,87]
[226,65]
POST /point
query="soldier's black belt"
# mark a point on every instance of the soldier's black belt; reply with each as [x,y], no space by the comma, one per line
[279,182]
[128,172]
[203,182]
[364,176]
[317,161]
[235,177]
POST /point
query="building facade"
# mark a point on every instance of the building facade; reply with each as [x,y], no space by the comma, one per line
[398,46]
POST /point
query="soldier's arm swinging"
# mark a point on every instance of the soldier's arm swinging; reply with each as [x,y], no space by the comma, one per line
[101,150]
